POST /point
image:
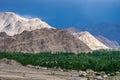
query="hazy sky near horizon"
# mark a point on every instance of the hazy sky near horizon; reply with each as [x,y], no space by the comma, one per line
[66,13]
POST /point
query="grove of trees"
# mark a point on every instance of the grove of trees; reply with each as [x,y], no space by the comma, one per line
[103,60]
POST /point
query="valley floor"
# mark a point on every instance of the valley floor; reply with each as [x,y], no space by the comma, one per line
[15,71]
[19,72]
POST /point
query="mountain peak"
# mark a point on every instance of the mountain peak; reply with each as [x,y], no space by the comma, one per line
[88,38]
[12,23]
[8,15]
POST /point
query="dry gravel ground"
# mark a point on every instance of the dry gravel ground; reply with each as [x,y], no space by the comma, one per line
[11,70]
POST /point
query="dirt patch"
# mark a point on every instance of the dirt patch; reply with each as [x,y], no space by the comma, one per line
[12,70]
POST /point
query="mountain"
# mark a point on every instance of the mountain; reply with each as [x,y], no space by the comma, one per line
[109,30]
[20,34]
[88,39]
[42,40]
[72,30]
[12,23]
[107,42]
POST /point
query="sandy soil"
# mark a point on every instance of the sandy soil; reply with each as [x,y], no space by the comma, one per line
[16,71]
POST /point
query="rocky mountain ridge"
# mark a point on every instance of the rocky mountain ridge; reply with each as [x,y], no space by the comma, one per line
[34,35]
[12,23]
[88,39]
[42,40]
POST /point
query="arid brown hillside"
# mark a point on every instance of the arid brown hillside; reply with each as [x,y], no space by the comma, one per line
[42,40]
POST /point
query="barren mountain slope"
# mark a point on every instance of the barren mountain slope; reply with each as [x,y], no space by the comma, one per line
[42,40]
[88,39]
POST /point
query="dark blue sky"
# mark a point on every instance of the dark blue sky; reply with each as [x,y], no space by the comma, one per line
[66,13]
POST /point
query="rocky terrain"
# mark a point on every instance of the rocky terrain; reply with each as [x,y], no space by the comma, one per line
[12,23]
[88,39]
[12,70]
[42,40]
[19,34]
[26,38]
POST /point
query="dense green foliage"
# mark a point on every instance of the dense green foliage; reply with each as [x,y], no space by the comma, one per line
[108,61]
